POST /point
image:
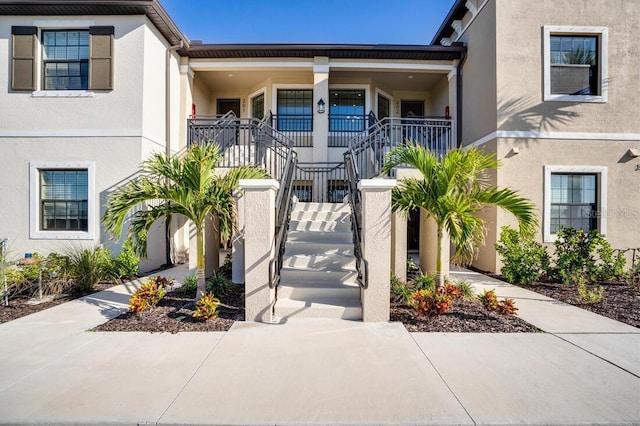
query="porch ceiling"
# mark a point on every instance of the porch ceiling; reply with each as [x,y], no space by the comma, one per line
[393,80]
[233,80]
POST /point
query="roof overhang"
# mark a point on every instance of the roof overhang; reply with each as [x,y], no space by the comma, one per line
[457,12]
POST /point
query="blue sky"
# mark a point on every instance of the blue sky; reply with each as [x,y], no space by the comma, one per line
[309,21]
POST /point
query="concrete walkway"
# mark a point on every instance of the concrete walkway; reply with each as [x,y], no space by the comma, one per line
[318,371]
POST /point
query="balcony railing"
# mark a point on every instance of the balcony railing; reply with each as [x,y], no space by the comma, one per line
[344,127]
[320,182]
[298,128]
[369,148]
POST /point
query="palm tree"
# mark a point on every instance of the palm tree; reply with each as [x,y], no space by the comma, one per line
[452,191]
[184,185]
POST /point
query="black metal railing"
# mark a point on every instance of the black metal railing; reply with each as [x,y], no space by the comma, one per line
[362,266]
[369,148]
[298,128]
[320,182]
[344,127]
[283,213]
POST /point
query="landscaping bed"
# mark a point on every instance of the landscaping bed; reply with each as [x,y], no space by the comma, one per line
[464,316]
[621,301]
[23,306]
[174,313]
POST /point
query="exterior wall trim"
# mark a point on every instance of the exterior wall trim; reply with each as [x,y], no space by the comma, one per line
[516,134]
[602,196]
[68,133]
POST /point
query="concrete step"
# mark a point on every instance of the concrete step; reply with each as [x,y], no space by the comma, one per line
[320,225]
[321,207]
[325,237]
[305,290]
[314,215]
[318,248]
[325,307]
[297,275]
[331,262]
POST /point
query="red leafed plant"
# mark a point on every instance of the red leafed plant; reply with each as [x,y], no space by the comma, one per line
[507,307]
[430,302]
[453,291]
[147,296]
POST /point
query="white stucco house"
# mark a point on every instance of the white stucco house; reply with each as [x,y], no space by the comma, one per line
[88,89]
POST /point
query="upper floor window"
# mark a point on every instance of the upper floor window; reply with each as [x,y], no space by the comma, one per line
[346,110]
[70,59]
[65,59]
[295,110]
[257,107]
[575,64]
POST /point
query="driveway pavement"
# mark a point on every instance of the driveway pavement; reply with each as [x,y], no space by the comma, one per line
[53,371]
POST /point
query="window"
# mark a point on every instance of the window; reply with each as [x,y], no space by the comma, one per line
[384,107]
[65,59]
[63,200]
[346,110]
[303,190]
[62,205]
[295,110]
[257,107]
[71,59]
[575,64]
[574,197]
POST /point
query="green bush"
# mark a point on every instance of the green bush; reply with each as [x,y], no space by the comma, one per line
[218,285]
[126,264]
[400,291]
[190,284]
[588,254]
[467,291]
[524,260]
[89,266]
[424,282]
[226,267]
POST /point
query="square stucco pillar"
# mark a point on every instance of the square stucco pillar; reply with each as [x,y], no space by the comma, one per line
[320,121]
[376,242]
[237,242]
[259,228]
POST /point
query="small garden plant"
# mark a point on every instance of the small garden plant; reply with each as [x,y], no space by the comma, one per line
[524,260]
[491,303]
[147,296]
[207,307]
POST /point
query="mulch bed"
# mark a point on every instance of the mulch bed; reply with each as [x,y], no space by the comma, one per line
[621,301]
[464,316]
[174,314]
[22,306]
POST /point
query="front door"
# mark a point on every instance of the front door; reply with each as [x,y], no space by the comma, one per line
[226,105]
[412,109]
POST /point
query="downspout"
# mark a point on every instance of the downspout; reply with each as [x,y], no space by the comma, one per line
[459,95]
[167,135]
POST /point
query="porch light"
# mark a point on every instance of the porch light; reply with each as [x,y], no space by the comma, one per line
[321,106]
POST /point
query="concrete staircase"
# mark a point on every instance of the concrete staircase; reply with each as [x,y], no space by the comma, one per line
[318,277]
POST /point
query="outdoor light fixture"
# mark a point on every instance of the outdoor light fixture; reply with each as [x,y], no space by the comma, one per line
[321,106]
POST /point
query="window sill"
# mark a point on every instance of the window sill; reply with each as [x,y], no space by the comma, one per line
[61,235]
[62,94]
[575,98]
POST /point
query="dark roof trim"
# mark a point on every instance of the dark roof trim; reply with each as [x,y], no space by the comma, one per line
[458,10]
[335,51]
[151,8]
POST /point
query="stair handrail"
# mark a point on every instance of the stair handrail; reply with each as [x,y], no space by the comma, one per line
[283,213]
[362,265]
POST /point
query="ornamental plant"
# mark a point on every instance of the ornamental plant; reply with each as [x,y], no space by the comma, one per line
[147,296]
[490,301]
[430,302]
[524,260]
[207,307]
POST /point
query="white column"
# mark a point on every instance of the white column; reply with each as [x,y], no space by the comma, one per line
[376,247]
[320,121]
[259,230]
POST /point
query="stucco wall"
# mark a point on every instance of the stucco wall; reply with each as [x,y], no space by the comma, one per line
[520,66]
[440,97]
[479,97]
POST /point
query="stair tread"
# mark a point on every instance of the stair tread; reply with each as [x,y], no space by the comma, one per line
[324,302]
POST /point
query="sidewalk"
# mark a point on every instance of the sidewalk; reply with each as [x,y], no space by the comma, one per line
[316,372]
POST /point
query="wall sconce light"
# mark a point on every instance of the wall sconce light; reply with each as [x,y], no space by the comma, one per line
[321,106]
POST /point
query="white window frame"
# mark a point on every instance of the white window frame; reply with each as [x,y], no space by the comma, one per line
[380,92]
[34,200]
[261,91]
[601,171]
[603,62]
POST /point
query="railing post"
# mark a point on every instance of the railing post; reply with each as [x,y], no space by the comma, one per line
[376,247]
[259,228]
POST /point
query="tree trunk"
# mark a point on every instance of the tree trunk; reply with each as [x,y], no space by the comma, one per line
[439,268]
[202,285]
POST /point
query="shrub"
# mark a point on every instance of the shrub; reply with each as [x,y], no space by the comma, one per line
[219,285]
[586,292]
[400,291]
[147,296]
[507,307]
[467,291]
[89,266]
[430,302]
[206,307]
[412,268]
[489,300]
[424,282]
[190,284]
[226,268]
[126,264]
[453,291]
[524,260]
[588,254]
[163,282]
